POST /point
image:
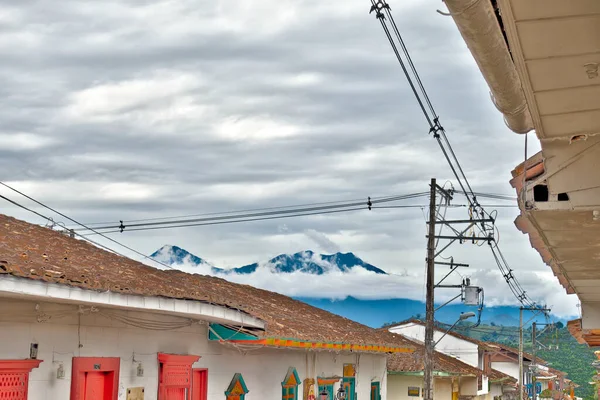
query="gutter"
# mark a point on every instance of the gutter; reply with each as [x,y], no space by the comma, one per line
[478,24]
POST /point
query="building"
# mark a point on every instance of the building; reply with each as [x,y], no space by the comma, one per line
[541,62]
[81,323]
[469,351]
[453,379]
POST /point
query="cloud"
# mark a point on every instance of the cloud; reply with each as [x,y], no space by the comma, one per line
[234,105]
[322,241]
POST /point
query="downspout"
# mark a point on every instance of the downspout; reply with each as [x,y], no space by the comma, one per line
[478,24]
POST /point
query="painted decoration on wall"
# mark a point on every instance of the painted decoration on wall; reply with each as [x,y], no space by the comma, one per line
[349,370]
[289,386]
[237,388]
[414,391]
[309,389]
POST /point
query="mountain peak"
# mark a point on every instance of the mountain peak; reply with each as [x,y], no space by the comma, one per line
[306,261]
[173,255]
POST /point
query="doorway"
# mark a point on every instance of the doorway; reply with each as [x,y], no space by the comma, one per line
[199,384]
[95,378]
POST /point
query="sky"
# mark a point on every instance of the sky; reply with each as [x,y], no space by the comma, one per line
[130,109]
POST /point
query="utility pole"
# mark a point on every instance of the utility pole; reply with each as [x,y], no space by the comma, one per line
[521,309]
[429,307]
[533,380]
[521,353]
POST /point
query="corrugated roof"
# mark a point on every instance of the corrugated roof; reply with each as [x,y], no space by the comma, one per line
[34,252]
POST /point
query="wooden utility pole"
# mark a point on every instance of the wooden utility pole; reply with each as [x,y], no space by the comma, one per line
[429,307]
[521,353]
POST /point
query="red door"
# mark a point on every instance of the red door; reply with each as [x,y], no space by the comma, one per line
[95,378]
[199,384]
[95,385]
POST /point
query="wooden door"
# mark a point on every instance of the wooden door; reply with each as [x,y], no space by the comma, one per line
[95,386]
[95,378]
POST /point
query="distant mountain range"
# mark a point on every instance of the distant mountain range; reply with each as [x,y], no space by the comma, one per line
[373,313]
[304,261]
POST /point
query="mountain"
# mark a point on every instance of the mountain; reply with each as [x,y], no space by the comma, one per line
[376,313]
[176,255]
[304,261]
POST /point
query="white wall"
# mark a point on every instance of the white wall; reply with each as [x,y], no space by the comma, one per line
[442,387]
[509,368]
[262,369]
[465,351]
[398,387]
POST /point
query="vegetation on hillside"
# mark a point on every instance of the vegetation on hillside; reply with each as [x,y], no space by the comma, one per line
[557,347]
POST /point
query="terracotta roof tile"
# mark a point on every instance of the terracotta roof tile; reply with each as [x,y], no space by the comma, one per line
[508,349]
[34,252]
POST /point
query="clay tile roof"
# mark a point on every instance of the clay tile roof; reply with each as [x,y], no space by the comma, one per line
[413,362]
[34,252]
[515,352]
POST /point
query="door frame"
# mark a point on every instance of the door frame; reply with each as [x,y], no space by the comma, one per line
[81,365]
[199,376]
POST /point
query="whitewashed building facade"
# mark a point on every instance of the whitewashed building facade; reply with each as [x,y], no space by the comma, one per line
[80,323]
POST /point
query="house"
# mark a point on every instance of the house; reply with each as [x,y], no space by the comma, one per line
[506,359]
[464,348]
[453,379]
[81,323]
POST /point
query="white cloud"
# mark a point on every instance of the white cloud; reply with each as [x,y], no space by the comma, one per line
[22,141]
[323,242]
[254,128]
[106,101]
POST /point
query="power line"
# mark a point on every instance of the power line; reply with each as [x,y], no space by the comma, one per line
[74,221]
[228,222]
[236,212]
[228,216]
[383,15]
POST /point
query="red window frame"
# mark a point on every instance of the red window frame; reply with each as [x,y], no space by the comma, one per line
[199,384]
[19,367]
[175,372]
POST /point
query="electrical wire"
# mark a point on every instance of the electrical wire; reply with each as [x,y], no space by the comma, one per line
[364,204]
[74,221]
[383,14]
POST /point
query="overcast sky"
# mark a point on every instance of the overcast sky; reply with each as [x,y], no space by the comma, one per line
[141,109]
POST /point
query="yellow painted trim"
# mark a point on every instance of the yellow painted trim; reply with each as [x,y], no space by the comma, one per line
[290,343]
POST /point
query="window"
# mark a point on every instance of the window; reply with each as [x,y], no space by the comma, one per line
[349,381]
[237,389]
[289,386]
[175,376]
[375,391]
[14,378]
